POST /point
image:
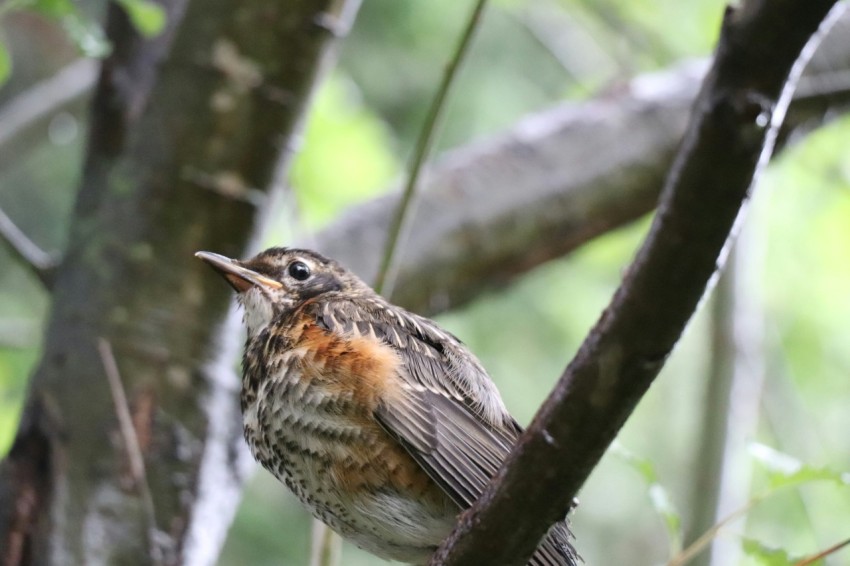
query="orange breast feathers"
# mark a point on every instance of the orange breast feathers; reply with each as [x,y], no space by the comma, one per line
[365,371]
[358,367]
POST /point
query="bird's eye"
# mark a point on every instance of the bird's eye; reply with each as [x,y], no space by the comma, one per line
[299,270]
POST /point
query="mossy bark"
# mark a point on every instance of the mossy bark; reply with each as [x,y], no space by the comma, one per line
[189,131]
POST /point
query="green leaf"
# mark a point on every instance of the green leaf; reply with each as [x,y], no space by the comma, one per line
[768,556]
[5,64]
[642,465]
[784,470]
[149,18]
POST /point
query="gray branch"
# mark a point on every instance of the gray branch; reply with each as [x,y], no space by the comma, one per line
[490,212]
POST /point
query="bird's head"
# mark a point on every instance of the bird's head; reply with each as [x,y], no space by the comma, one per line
[281,279]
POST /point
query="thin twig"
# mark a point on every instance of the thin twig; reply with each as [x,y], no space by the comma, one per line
[700,543]
[705,539]
[326,545]
[823,554]
[383,281]
[131,442]
[39,262]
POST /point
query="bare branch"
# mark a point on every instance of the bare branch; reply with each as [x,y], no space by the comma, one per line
[135,457]
[705,538]
[38,262]
[824,553]
[743,100]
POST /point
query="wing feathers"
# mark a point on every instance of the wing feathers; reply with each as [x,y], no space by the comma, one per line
[454,445]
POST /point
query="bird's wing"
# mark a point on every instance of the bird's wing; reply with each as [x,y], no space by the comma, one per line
[450,418]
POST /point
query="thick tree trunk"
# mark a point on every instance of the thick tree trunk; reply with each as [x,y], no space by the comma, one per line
[187,136]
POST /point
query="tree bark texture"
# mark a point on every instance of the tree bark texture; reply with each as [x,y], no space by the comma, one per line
[188,132]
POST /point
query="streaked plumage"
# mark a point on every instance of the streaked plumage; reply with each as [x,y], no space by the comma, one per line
[383,424]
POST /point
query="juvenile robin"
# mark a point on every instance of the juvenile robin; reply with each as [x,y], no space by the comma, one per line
[382,423]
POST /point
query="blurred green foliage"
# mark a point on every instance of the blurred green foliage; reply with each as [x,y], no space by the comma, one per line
[528,55]
[347,154]
[5,64]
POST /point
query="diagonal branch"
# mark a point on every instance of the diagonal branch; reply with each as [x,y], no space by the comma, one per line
[760,54]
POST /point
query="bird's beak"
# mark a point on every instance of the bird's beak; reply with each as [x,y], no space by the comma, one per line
[239,277]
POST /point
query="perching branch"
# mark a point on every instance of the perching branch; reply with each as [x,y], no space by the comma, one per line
[743,100]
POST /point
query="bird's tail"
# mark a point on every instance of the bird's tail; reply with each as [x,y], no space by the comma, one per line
[556,549]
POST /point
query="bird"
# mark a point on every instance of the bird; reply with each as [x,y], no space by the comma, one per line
[383,424]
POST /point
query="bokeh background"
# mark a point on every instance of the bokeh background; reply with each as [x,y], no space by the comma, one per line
[792,279]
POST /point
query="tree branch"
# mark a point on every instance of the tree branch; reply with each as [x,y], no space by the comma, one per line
[742,103]
[585,168]
[573,196]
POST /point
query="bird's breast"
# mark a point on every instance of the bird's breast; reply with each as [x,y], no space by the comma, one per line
[309,414]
